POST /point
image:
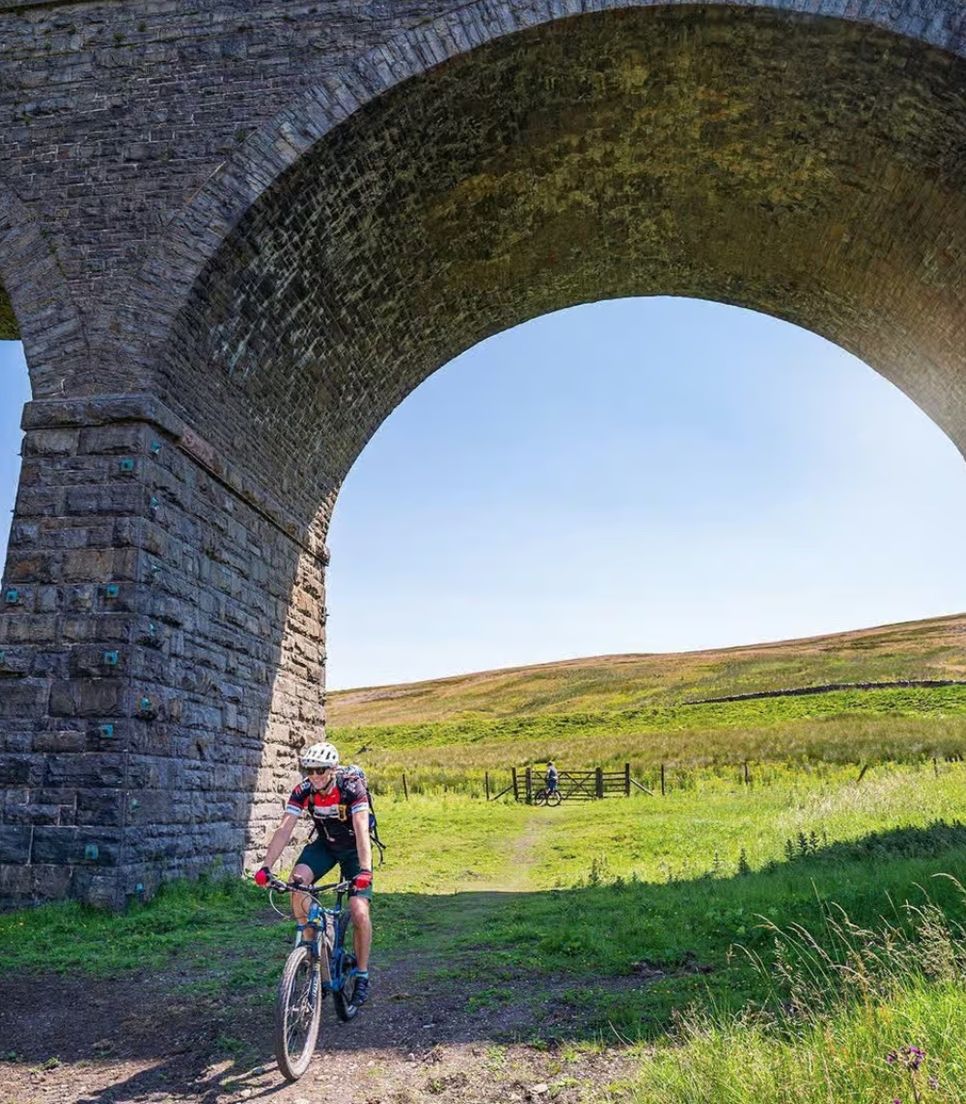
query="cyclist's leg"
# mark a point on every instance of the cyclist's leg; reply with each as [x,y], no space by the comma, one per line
[315,861]
[358,910]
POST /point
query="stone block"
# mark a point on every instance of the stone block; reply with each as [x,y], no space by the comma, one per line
[100,565]
[27,628]
[22,698]
[30,567]
[30,813]
[100,805]
[96,697]
[104,770]
[50,442]
[97,660]
[60,740]
[15,843]
[68,845]
[119,438]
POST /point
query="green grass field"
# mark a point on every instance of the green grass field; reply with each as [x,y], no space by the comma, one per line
[741,940]
[771,943]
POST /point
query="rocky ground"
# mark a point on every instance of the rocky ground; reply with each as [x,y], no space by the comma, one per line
[76,1041]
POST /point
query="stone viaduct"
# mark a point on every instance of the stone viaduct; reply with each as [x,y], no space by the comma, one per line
[234,234]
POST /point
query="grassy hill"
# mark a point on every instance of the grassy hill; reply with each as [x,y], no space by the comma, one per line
[914,650]
[648,709]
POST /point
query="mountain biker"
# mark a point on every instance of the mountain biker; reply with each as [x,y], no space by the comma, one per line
[338,803]
[551,778]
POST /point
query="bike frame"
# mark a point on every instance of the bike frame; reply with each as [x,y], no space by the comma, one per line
[325,918]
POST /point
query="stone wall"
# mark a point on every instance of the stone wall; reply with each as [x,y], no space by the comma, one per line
[161,656]
[234,235]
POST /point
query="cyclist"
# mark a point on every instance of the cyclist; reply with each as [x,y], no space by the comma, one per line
[551,779]
[338,803]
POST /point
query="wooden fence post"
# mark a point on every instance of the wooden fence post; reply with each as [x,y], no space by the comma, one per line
[600,782]
[405,788]
[516,785]
[627,780]
[486,782]
[663,788]
[529,785]
[747,777]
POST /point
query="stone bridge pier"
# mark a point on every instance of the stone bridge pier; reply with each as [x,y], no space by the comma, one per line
[235,235]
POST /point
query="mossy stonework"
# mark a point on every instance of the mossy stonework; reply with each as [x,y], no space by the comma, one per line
[233,236]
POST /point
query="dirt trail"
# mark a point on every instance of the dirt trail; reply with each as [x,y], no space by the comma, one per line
[422,1038]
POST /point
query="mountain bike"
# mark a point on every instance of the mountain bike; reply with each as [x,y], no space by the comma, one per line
[315,967]
[547,797]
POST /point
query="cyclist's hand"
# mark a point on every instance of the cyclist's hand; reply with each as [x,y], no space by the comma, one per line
[262,876]
[363,880]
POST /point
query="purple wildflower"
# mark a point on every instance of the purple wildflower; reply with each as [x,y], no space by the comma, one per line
[913,1056]
[892,1058]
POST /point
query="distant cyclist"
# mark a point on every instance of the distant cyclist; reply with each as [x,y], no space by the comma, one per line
[551,779]
[337,800]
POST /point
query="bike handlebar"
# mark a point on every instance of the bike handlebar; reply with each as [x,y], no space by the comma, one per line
[312,890]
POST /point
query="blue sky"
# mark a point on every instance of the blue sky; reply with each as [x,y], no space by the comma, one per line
[636,475]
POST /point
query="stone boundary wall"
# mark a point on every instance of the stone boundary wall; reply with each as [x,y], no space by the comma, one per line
[799,691]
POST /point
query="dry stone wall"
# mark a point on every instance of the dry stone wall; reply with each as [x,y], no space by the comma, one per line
[234,235]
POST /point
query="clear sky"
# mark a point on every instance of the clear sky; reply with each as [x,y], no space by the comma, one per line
[638,475]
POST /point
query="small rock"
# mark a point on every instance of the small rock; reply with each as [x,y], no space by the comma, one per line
[539,1090]
[410,1057]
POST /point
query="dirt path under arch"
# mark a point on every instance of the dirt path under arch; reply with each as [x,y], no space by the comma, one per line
[425,1036]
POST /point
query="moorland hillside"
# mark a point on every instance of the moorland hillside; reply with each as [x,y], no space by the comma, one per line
[931,650]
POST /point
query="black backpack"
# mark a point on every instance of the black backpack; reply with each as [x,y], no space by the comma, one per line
[342,776]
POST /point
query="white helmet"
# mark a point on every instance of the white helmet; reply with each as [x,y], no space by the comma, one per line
[320,755]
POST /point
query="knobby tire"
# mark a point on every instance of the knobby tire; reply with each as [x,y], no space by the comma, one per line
[345,1007]
[297,1013]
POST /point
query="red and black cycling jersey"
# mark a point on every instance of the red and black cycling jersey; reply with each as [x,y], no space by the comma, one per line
[331,812]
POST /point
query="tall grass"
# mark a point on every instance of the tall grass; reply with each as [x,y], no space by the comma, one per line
[855,1014]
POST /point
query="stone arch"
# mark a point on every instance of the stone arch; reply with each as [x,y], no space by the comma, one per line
[800,157]
[844,134]
[35,305]
[198,231]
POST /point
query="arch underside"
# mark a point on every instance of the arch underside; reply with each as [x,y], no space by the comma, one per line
[804,167]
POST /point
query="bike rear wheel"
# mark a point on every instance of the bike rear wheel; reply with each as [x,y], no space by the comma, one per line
[553,798]
[345,1007]
[297,1012]
[540,797]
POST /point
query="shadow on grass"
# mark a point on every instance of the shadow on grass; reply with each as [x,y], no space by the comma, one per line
[605,960]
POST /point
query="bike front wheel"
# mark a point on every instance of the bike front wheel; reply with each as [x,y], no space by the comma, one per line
[297,1012]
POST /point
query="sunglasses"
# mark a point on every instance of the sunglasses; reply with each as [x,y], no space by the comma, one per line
[319,771]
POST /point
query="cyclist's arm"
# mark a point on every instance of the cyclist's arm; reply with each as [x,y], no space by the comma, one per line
[360,826]
[283,834]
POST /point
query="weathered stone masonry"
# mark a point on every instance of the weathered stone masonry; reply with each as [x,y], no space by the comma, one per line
[234,235]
